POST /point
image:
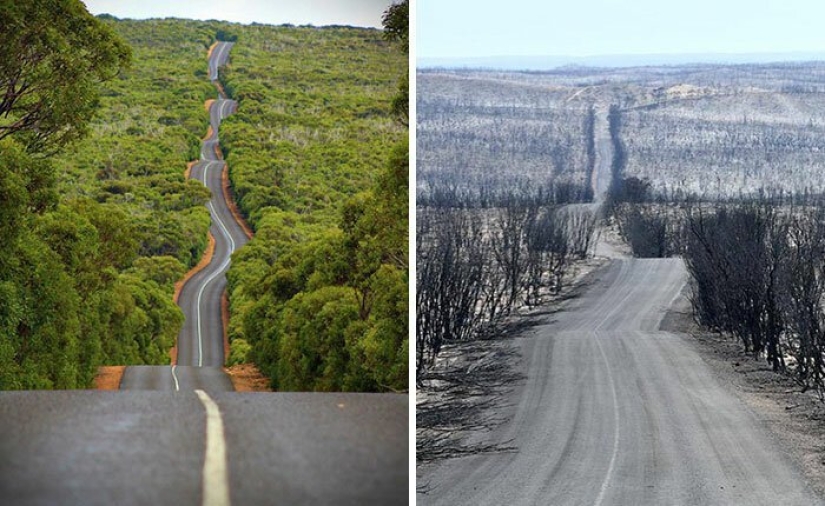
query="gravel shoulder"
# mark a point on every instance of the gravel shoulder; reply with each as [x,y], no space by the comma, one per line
[795,419]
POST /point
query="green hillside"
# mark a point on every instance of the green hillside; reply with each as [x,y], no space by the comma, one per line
[320,293]
[98,233]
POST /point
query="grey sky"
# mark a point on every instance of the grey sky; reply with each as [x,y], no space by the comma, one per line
[276,12]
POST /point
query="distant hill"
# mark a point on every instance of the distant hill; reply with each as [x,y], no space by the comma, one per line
[617,60]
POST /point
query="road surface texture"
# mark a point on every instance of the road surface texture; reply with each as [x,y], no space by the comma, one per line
[148,448]
[200,342]
[198,442]
[616,412]
[602,173]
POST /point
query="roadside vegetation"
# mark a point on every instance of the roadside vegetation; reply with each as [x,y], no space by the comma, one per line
[110,222]
[499,158]
[757,270]
[477,266]
[478,269]
[731,180]
[65,303]
[503,171]
[318,162]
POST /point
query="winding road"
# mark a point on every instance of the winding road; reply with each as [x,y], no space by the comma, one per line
[179,435]
[616,412]
[200,356]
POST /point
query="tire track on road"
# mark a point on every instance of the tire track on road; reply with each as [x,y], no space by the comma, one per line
[615,412]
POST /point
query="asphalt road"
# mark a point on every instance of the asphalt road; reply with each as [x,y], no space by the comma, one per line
[176,377]
[218,58]
[200,342]
[150,448]
[616,412]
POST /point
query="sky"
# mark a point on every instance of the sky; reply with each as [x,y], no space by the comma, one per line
[476,28]
[275,12]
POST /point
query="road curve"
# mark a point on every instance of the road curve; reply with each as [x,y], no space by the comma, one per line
[200,341]
[616,412]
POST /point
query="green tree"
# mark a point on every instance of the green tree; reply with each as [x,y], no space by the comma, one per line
[163,270]
[396,22]
[53,53]
[313,352]
[318,299]
[26,186]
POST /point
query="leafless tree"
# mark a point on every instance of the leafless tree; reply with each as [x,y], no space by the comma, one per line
[581,232]
[649,230]
[508,239]
[450,267]
[801,297]
[734,256]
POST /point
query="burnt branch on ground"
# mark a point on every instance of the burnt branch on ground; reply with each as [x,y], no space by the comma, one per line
[460,400]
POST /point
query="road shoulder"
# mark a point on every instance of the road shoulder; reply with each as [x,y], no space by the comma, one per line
[796,420]
[108,377]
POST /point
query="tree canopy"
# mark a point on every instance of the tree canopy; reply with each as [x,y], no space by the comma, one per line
[94,236]
[53,53]
[319,165]
[396,21]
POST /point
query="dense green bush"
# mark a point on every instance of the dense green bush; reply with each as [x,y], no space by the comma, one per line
[95,236]
[87,278]
[319,167]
